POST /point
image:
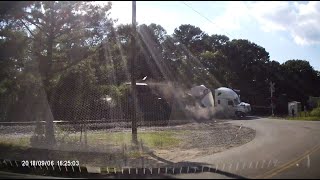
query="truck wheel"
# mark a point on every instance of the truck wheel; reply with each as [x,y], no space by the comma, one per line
[240,114]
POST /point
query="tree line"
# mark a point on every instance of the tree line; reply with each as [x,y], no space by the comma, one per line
[72,54]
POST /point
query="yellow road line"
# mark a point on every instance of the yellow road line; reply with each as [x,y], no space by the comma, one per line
[270,171]
[288,163]
[292,164]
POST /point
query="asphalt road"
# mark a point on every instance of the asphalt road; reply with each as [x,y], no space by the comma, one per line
[281,149]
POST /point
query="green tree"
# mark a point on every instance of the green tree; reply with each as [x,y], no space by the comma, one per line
[193,38]
[217,42]
[301,80]
[62,34]
[151,50]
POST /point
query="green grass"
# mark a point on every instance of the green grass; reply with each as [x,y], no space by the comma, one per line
[119,143]
[153,140]
[276,117]
[297,118]
[21,143]
[304,118]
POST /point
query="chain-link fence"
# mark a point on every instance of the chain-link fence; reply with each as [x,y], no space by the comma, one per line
[77,108]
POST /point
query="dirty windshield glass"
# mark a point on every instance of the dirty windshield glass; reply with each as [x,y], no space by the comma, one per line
[180,89]
[236,101]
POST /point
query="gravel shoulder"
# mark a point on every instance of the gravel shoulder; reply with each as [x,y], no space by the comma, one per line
[206,139]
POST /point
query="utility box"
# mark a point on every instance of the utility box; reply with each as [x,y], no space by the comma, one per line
[294,108]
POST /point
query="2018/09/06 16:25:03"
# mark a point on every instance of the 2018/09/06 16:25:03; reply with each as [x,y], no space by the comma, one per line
[50,163]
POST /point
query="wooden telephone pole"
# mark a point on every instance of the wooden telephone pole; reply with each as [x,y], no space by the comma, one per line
[133,80]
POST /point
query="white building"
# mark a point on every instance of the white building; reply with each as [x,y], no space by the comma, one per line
[294,106]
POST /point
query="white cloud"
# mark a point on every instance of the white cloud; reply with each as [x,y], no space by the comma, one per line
[234,14]
[166,19]
[230,21]
[122,10]
[148,12]
[300,20]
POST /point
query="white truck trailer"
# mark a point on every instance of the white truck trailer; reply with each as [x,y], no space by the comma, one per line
[225,103]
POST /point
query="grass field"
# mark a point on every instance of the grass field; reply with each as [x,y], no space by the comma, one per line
[297,118]
[21,143]
[304,118]
[152,140]
[101,144]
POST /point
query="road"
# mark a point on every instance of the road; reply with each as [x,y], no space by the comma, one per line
[281,149]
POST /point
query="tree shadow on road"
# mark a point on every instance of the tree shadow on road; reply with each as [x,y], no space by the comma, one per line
[248,118]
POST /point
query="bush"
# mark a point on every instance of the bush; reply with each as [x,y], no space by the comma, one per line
[113,90]
[315,112]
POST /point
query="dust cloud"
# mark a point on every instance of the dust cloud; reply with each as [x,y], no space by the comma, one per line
[184,105]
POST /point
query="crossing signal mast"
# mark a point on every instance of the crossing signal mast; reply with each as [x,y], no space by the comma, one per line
[272,90]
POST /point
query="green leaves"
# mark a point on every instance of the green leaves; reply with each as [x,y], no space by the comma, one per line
[74,49]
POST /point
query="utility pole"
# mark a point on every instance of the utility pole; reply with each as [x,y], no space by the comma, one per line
[271,95]
[133,80]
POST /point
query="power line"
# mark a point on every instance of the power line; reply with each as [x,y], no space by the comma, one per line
[203,16]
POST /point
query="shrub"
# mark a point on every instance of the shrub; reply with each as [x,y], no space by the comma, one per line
[315,112]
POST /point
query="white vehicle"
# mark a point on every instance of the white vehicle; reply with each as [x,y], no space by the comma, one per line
[225,103]
[228,102]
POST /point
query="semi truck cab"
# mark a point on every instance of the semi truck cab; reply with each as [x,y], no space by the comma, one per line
[225,102]
[228,101]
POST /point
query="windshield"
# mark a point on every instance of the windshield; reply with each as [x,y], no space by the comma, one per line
[149,89]
[236,101]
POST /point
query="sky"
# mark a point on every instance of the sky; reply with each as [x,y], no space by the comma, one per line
[287,30]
